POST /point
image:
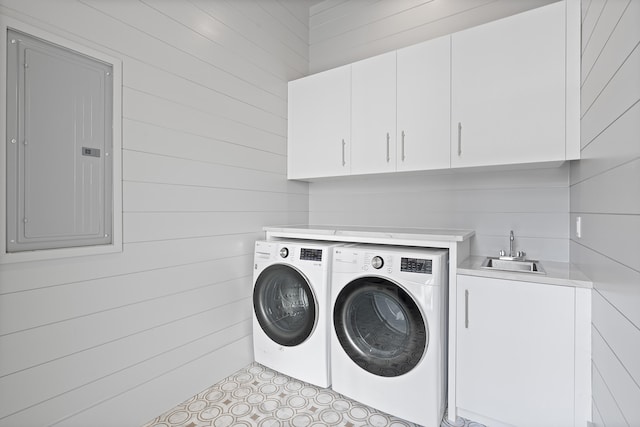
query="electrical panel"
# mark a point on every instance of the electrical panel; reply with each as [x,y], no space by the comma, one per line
[59,138]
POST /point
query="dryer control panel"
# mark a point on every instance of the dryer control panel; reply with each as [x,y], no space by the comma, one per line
[416,265]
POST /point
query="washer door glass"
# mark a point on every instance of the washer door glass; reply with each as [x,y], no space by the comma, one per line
[380,326]
[284,305]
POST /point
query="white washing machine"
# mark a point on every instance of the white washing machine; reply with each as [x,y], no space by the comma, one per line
[388,335]
[291,308]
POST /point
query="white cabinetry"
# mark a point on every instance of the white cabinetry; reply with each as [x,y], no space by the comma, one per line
[423,105]
[508,90]
[320,125]
[400,109]
[373,114]
[515,352]
[382,114]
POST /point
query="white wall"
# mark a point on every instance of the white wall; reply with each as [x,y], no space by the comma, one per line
[344,31]
[117,339]
[533,203]
[605,193]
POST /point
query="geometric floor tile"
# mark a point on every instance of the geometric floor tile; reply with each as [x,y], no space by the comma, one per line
[259,396]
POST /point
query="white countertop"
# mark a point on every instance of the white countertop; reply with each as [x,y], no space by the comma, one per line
[397,236]
[558,273]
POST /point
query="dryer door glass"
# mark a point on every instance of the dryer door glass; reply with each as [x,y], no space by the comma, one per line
[284,305]
[380,326]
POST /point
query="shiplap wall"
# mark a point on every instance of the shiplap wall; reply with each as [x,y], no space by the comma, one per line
[605,193]
[533,203]
[117,339]
[344,31]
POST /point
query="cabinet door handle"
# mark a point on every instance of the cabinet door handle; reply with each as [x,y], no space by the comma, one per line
[459,139]
[466,308]
[343,160]
[388,158]
[402,145]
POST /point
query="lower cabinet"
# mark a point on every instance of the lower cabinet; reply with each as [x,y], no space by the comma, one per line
[515,354]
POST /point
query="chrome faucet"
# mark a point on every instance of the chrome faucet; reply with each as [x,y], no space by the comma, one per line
[511,238]
[519,255]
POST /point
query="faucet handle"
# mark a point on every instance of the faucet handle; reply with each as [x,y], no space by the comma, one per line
[521,254]
[502,252]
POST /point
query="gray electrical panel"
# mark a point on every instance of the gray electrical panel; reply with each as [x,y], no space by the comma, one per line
[59,141]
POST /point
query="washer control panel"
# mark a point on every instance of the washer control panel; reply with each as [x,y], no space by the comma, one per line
[307,254]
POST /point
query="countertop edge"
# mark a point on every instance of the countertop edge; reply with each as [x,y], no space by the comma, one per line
[370,234]
[558,273]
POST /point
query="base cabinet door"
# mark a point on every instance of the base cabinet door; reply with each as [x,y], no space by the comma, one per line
[515,352]
[508,90]
[320,125]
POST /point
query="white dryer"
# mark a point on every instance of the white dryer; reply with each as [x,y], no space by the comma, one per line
[388,335]
[291,308]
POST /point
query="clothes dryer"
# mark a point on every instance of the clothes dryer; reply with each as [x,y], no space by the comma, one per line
[388,335]
[291,308]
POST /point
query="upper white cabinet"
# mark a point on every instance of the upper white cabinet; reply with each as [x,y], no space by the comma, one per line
[373,114]
[399,113]
[501,93]
[319,125]
[515,356]
[400,109]
[508,90]
[423,105]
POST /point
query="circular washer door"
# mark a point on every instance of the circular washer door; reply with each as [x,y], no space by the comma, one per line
[284,305]
[380,326]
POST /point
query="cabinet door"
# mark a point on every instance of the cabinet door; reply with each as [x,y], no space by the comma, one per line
[373,114]
[515,351]
[508,90]
[423,105]
[319,124]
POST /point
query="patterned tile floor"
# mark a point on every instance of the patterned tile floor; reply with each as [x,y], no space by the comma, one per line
[259,396]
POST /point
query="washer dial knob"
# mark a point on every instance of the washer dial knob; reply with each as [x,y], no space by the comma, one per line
[377,262]
[284,252]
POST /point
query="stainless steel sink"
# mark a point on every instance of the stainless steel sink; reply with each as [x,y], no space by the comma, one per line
[518,265]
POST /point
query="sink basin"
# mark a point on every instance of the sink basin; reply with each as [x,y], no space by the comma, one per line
[521,266]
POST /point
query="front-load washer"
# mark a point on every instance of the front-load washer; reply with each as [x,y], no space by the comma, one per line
[388,335]
[291,308]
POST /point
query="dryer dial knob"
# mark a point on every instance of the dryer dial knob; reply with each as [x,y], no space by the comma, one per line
[377,262]
[284,252]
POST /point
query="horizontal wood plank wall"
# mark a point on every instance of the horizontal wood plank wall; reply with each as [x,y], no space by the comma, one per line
[532,203]
[343,31]
[605,193]
[535,204]
[117,339]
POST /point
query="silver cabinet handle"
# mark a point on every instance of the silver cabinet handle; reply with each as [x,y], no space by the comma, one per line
[343,160]
[466,308]
[459,139]
[402,145]
[388,158]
